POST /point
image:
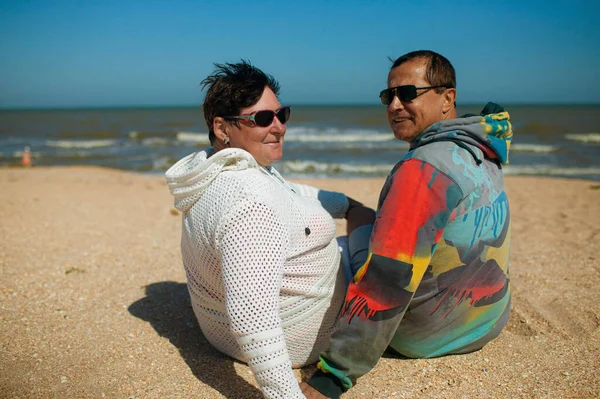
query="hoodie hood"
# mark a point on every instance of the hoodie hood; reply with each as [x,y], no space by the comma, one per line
[190,176]
[490,132]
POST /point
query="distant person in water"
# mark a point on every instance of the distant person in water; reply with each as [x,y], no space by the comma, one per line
[262,261]
[26,157]
[436,281]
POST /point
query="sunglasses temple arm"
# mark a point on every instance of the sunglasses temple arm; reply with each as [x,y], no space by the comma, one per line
[247,117]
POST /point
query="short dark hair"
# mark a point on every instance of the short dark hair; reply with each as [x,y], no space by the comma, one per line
[440,71]
[232,87]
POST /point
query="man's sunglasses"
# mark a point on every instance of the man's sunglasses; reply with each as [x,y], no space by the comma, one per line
[405,93]
[265,117]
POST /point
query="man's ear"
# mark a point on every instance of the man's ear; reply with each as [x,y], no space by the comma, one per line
[449,100]
[220,127]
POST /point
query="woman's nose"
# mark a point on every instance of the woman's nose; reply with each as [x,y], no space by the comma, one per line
[277,126]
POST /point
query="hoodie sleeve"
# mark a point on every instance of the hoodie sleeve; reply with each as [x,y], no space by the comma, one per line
[416,205]
[252,246]
[336,204]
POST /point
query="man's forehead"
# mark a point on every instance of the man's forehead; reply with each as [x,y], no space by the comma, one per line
[408,73]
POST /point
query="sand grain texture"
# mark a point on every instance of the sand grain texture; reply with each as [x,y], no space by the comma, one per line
[93,300]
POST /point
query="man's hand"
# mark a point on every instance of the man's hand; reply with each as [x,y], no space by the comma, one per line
[310,392]
[358,215]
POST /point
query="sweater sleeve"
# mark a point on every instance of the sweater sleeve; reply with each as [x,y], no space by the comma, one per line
[417,203]
[252,246]
[336,204]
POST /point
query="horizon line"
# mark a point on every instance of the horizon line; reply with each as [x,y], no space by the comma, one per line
[341,104]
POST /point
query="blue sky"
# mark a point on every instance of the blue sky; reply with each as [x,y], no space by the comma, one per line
[127,53]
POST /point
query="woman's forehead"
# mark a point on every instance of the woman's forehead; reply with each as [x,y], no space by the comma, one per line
[268,100]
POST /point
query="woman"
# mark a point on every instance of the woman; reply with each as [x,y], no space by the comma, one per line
[260,253]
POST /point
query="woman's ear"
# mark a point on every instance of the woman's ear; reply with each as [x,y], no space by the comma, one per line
[449,100]
[220,127]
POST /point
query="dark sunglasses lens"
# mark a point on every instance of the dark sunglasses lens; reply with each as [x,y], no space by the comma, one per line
[386,96]
[404,93]
[264,118]
[407,93]
[284,114]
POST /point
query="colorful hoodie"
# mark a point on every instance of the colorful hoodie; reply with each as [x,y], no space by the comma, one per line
[436,280]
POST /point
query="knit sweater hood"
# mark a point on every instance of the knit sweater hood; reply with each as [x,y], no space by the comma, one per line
[190,176]
[491,132]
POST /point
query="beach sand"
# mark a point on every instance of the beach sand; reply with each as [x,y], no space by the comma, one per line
[93,301]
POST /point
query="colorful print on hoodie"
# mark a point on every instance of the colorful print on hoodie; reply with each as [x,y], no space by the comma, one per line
[436,279]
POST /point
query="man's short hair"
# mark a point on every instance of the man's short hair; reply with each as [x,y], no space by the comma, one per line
[440,71]
[232,87]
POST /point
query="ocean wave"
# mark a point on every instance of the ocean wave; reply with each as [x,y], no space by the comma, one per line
[163,163]
[550,170]
[340,138]
[155,141]
[361,146]
[93,134]
[19,154]
[307,134]
[193,137]
[137,135]
[311,167]
[80,144]
[540,148]
[333,131]
[584,137]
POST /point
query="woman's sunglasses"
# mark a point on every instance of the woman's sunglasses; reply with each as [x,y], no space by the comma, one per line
[265,117]
[405,93]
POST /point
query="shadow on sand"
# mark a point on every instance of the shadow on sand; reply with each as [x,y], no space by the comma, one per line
[168,309]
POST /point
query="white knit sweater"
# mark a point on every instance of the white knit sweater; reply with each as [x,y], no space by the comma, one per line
[264,291]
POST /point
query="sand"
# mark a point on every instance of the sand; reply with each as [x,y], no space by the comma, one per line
[93,301]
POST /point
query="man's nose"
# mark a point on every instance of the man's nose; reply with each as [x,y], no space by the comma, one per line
[396,104]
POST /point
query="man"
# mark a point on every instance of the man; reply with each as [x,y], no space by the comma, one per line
[436,279]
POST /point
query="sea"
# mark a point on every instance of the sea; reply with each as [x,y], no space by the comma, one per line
[322,141]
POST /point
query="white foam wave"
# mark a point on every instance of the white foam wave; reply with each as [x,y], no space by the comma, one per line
[162,163]
[340,138]
[155,141]
[193,137]
[334,134]
[301,130]
[311,167]
[19,154]
[540,148]
[80,144]
[584,137]
[307,135]
[381,170]
[549,170]
[393,145]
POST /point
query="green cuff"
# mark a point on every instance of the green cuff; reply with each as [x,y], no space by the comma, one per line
[326,383]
